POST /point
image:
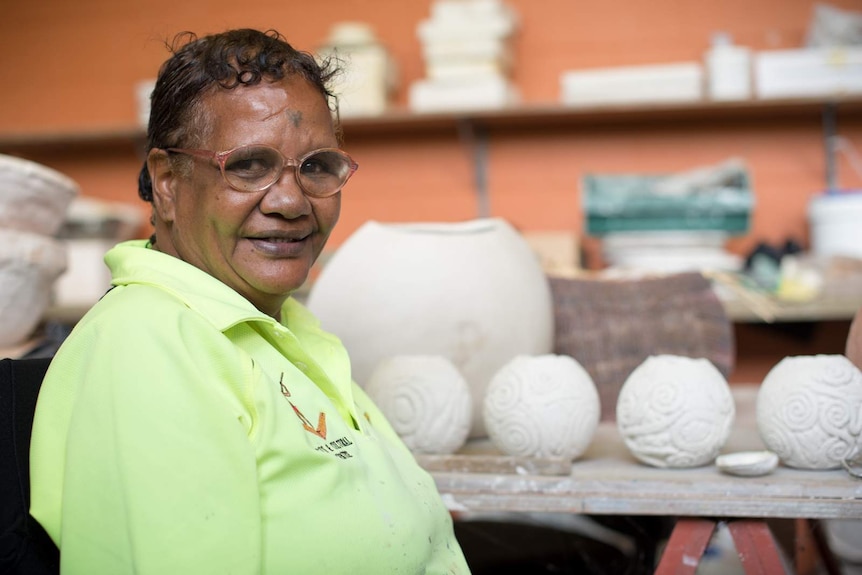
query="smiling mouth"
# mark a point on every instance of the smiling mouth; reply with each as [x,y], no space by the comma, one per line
[280,246]
[279,240]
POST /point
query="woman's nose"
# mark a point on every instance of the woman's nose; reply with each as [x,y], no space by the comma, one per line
[286,197]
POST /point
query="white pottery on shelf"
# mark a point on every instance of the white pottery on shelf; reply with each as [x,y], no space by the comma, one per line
[809,411]
[473,292]
[675,411]
[33,198]
[542,406]
[425,399]
[29,264]
[747,463]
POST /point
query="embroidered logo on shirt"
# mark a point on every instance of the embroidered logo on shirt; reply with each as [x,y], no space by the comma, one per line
[320,430]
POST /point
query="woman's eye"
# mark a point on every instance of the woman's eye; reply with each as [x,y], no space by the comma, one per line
[315,166]
[249,165]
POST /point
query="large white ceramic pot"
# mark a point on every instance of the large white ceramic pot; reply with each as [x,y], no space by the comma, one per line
[809,411]
[29,264]
[472,292]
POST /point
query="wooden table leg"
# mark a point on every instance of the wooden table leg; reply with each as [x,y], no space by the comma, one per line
[757,548]
[811,532]
[805,548]
[685,547]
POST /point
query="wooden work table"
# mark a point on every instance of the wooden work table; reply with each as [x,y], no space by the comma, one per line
[608,480]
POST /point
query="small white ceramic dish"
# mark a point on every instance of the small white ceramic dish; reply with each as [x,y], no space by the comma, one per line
[747,463]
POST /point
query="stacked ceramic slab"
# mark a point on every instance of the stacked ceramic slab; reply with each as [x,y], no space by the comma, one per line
[369,75]
[33,203]
[466,46]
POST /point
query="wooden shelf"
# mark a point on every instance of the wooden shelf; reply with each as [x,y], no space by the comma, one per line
[122,135]
[531,116]
[553,114]
[821,309]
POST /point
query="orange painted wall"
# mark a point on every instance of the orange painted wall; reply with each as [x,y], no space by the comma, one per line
[72,66]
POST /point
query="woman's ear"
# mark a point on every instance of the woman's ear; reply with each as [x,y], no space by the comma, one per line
[164,178]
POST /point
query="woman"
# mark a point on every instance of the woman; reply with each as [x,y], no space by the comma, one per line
[197,420]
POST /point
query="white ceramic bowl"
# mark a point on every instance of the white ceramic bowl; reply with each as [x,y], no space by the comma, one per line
[747,463]
[29,264]
[33,198]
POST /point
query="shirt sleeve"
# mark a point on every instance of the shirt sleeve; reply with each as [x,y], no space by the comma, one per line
[143,458]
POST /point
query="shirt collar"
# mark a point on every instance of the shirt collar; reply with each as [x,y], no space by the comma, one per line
[135,262]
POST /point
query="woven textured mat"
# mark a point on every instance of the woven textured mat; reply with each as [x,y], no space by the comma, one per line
[612,326]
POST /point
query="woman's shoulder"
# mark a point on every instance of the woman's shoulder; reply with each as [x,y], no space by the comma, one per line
[137,306]
[132,321]
[137,329]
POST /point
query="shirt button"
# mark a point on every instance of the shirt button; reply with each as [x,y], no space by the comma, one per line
[301,366]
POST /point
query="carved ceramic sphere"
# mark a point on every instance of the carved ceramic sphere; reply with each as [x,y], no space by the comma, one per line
[542,406]
[675,411]
[426,399]
[809,410]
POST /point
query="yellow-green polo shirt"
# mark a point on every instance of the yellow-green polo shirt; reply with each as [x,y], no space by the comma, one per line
[180,430]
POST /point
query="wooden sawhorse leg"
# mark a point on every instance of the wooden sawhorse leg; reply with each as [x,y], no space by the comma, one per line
[686,545]
[757,548]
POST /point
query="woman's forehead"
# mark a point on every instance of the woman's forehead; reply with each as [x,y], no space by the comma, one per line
[283,107]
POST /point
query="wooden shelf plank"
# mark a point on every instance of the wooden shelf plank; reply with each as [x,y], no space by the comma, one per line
[538,115]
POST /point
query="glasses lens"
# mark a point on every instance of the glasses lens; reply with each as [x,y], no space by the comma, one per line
[253,168]
[324,172]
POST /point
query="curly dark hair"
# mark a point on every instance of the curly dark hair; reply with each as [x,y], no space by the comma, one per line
[227,60]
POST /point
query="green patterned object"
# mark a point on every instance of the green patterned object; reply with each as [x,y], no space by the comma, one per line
[632,203]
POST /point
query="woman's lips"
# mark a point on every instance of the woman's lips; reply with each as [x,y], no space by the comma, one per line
[278,246]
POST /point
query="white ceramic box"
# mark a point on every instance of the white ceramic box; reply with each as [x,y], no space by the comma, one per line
[675,82]
[809,72]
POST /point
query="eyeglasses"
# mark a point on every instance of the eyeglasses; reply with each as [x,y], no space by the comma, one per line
[320,173]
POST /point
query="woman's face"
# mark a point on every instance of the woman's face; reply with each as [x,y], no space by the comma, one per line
[262,244]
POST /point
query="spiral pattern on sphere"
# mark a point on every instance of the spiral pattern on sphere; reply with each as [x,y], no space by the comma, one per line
[837,374]
[835,417]
[407,406]
[665,397]
[505,394]
[522,437]
[799,411]
[836,449]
